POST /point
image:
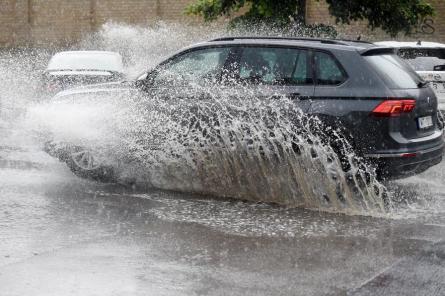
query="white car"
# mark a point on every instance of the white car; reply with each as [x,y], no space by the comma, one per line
[427,59]
[76,68]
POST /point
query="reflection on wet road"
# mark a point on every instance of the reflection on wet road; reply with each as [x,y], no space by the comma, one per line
[60,235]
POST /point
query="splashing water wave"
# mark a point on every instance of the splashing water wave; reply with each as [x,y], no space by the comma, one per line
[223,144]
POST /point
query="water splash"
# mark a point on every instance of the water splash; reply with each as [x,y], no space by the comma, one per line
[223,144]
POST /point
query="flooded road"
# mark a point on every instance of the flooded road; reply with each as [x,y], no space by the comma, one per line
[61,235]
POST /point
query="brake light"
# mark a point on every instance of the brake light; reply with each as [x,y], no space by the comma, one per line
[393,108]
[409,155]
[51,86]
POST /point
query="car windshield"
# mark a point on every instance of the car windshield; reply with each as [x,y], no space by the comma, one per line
[395,72]
[424,59]
[86,61]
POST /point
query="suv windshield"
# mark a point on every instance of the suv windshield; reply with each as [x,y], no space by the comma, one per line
[396,73]
[423,59]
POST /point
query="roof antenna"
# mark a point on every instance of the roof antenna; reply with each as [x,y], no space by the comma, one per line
[419,42]
[359,37]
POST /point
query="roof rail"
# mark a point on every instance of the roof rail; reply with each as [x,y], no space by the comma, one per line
[356,41]
[321,40]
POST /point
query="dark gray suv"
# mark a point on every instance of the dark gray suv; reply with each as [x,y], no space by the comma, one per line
[387,112]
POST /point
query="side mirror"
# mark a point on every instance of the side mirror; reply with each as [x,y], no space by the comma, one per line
[144,81]
[139,84]
[42,73]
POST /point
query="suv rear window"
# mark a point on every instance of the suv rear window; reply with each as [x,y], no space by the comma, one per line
[395,72]
[274,66]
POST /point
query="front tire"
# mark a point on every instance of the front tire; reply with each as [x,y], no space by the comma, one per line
[83,163]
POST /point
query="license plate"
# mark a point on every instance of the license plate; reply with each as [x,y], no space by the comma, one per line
[425,122]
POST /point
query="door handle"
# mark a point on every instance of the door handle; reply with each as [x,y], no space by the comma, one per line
[298,96]
[292,96]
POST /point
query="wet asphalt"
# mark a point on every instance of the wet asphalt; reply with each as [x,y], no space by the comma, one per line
[61,235]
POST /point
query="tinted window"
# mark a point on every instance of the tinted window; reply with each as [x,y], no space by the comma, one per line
[327,69]
[199,66]
[412,53]
[282,66]
[423,59]
[394,71]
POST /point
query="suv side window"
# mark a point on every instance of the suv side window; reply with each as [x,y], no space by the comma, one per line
[274,66]
[327,69]
[198,66]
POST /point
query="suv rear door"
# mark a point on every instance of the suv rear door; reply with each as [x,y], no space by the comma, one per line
[272,71]
[336,100]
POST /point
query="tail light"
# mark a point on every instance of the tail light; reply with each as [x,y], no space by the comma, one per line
[393,108]
[51,86]
[409,155]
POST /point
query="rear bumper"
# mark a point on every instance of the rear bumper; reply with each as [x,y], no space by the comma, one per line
[406,163]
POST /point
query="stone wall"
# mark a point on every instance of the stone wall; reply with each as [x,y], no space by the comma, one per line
[34,22]
[40,22]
